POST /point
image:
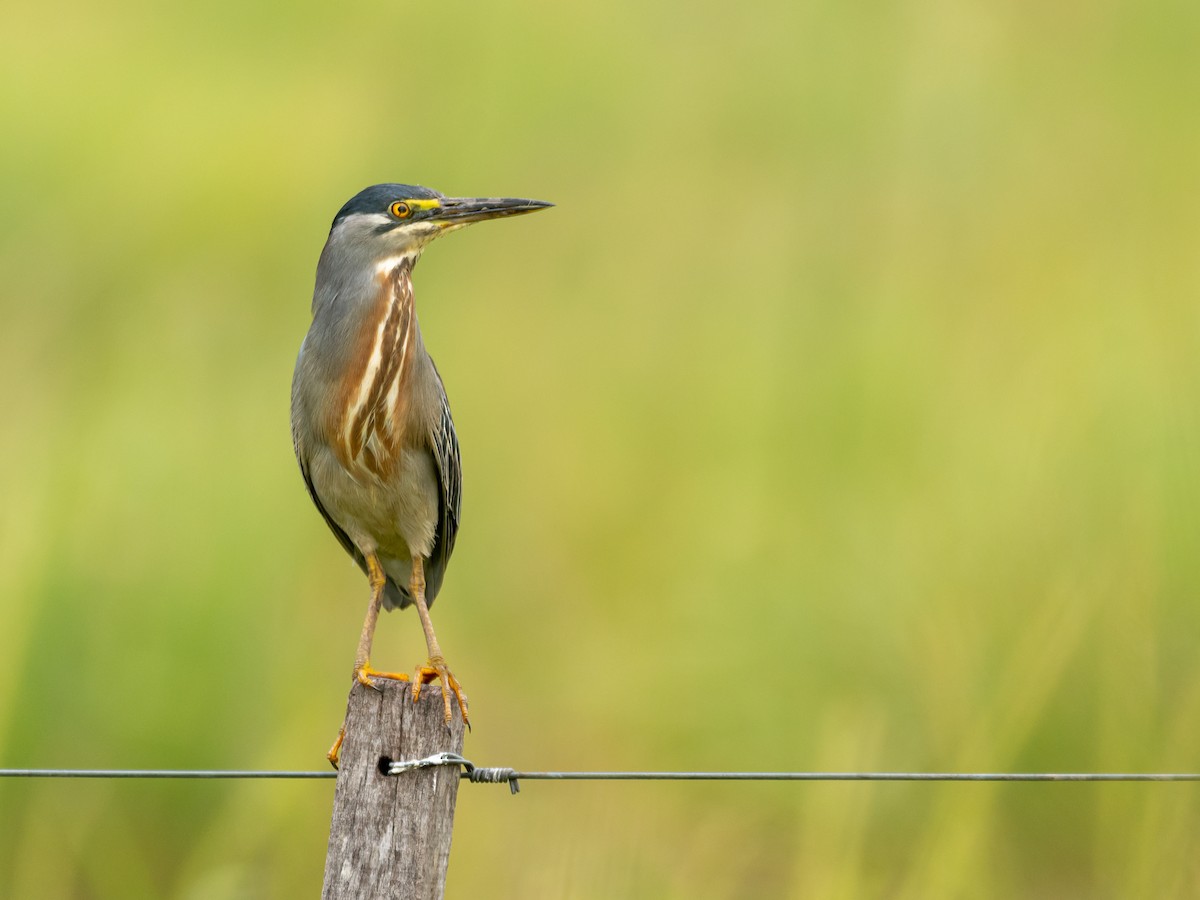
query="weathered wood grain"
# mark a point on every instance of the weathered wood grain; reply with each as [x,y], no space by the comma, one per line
[390,835]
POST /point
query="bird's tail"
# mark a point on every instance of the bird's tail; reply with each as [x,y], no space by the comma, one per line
[395,596]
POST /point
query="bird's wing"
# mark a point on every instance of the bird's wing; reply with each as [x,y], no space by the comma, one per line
[343,538]
[449,467]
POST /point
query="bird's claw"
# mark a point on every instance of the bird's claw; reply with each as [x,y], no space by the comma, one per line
[437,668]
[364,673]
[335,751]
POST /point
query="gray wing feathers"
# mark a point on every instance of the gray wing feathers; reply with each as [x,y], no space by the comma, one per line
[449,466]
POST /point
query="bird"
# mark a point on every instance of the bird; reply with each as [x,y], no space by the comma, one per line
[371,423]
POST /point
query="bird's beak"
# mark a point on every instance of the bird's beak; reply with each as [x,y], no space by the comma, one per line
[457,211]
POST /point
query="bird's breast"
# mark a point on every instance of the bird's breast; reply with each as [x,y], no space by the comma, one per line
[367,425]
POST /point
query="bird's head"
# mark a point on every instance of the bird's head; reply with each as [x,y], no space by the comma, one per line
[394,221]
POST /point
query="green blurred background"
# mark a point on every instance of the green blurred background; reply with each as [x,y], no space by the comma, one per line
[843,415]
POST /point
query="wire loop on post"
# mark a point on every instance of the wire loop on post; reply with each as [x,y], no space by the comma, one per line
[473,773]
[438,759]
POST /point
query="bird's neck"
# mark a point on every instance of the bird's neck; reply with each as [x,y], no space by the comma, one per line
[389,342]
[405,260]
[397,307]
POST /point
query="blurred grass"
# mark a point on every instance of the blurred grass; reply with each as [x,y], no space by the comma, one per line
[842,415]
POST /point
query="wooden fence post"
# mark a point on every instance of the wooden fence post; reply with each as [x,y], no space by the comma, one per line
[390,834]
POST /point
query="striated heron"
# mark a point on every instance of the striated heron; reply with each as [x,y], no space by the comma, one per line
[370,419]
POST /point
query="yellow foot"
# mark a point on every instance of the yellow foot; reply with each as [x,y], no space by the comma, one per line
[437,668]
[336,749]
[365,673]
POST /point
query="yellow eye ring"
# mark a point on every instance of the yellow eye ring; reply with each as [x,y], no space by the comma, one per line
[401,210]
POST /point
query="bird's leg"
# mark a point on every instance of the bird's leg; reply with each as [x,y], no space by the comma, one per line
[436,667]
[363,672]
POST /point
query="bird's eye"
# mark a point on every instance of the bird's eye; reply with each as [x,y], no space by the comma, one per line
[401,210]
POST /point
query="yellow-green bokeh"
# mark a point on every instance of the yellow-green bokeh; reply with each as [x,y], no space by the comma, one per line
[842,415]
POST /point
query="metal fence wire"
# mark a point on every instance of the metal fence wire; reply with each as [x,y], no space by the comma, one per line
[513,777]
